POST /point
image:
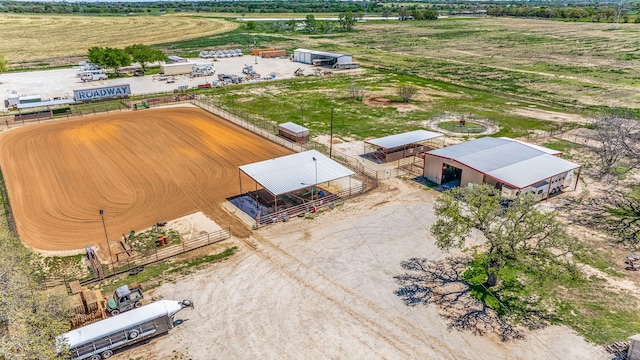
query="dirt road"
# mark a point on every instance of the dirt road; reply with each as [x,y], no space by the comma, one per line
[325,289]
[140,167]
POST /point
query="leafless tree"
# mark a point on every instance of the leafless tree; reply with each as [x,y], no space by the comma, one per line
[617,214]
[618,144]
[406,92]
[356,92]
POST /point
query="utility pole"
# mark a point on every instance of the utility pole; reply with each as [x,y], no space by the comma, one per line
[104,226]
[331,132]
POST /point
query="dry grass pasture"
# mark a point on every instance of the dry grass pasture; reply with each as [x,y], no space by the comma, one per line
[572,63]
[31,38]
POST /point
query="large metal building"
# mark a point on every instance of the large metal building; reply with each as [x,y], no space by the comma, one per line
[513,166]
[320,58]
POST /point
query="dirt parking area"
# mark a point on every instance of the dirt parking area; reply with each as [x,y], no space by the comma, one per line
[62,82]
[324,288]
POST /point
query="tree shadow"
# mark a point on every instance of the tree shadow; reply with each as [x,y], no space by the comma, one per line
[440,283]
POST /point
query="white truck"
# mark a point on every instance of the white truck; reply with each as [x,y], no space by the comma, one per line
[93,75]
[99,340]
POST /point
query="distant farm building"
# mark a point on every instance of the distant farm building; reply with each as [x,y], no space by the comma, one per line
[321,58]
[395,147]
[512,166]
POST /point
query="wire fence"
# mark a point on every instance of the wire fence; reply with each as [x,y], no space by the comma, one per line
[160,253]
[73,111]
[269,130]
[132,261]
[330,200]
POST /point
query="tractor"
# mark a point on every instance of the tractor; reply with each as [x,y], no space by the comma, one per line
[124,299]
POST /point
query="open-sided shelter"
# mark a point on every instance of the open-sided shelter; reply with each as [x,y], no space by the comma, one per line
[394,147]
[289,174]
[513,166]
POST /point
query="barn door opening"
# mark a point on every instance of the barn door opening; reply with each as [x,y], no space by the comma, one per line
[451,176]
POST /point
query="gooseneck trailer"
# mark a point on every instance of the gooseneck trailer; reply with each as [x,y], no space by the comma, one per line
[99,340]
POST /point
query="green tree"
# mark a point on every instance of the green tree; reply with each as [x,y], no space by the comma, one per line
[291,25]
[347,20]
[3,64]
[386,13]
[109,57]
[30,318]
[517,235]
[144,54]
[311,24]
[430,14]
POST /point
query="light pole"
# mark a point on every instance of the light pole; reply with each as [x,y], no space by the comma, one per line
[331,131]
[316,183]
[105,235]
[254,49]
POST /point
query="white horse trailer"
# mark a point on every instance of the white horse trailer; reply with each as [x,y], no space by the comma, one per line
[99,340]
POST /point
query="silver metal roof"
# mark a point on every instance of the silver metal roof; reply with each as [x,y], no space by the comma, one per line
[538,147]
[398,140]
[321,53]
[512,162]
[294,128]
[293,172]
[46,103]
[110,325]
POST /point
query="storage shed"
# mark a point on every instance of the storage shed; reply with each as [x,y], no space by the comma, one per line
[394,147]
[293,132]
[320,58]
[513,166]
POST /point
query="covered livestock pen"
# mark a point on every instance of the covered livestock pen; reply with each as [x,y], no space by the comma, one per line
[293,132]
[395,147]
[293,184]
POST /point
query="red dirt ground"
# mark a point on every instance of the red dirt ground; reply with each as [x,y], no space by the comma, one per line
[140,167]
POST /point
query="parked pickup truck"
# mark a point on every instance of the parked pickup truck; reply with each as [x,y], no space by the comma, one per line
[93,75]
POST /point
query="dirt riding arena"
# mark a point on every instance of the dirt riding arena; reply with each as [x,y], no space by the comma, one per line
[140,167]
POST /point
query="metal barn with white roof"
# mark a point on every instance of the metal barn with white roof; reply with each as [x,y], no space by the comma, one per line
[513,166]
[395,147]
[320,58]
